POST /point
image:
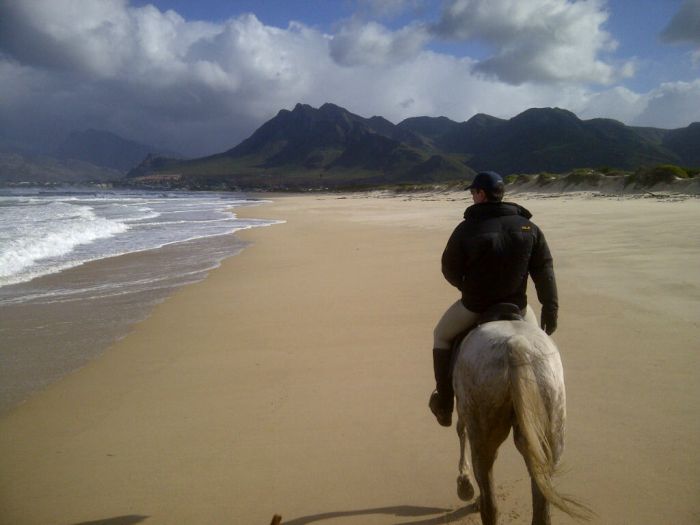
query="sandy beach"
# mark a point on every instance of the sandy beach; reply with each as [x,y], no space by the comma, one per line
[294,379]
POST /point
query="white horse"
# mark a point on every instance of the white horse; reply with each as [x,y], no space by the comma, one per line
[509,374]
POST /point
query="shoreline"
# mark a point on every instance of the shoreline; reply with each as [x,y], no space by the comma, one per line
[59,322]
[294,378]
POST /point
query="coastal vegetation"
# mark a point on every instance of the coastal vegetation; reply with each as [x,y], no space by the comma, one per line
[661,177]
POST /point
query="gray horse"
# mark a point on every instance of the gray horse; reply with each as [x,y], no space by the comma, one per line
[509,374]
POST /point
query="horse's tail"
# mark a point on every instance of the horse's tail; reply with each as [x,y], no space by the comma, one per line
[534,425]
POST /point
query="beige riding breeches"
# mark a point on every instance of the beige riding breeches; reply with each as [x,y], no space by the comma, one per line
[458,319]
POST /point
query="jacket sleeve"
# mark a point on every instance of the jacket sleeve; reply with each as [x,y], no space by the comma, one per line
[542,272]
[453,259]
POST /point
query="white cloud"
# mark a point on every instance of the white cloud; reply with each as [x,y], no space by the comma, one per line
[535,41]
[618,103]
[370,43]
[671,105]
[440,85]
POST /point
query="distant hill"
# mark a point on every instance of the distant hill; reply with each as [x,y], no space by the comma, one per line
[331,147]
[106,149]
[324,147]
[432,128]
[551,139]
[84,156]
[22,168]
[685,143]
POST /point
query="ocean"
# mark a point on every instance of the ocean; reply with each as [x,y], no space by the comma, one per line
[78,267]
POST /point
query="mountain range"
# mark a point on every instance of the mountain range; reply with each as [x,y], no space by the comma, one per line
[106,149]
[332,147]
[87,155]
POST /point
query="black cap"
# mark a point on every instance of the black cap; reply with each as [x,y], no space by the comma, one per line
[486,180]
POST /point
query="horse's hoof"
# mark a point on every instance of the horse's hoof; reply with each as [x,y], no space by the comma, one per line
[465,489]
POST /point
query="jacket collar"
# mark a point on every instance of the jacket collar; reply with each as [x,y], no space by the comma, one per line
[488,210]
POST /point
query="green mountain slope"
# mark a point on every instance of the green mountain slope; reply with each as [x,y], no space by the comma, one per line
[685,143]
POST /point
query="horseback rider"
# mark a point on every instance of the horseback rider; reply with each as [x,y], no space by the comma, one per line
[488,258]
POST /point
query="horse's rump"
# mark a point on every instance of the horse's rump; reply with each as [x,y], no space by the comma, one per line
[509,373]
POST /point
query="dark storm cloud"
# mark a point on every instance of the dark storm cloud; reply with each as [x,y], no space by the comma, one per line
[685,25]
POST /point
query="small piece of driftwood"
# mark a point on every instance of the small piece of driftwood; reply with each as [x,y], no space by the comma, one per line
[276,520]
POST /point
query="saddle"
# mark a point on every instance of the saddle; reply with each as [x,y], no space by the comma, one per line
[502,312]
[497,312]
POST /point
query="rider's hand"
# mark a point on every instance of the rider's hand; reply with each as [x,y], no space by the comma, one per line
[548,320]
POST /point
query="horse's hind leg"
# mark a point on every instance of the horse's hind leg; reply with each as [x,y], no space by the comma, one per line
[487,430]
[540,505]
[483,457]
[465,489]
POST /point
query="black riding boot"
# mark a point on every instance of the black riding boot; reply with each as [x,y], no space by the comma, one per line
[442,400]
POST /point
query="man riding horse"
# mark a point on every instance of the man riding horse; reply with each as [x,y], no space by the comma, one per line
[488,258]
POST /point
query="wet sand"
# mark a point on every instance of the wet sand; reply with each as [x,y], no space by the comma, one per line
[56,323]
[295,378]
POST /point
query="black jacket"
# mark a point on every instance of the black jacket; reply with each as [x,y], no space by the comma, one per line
[490,254]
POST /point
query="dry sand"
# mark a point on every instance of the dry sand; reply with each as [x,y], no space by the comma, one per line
[295,379]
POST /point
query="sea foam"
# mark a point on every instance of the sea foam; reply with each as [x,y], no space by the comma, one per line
[46,232]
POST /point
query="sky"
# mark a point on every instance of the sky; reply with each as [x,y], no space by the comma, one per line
[198,77]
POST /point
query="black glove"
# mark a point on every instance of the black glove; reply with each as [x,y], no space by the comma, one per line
[548,320]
